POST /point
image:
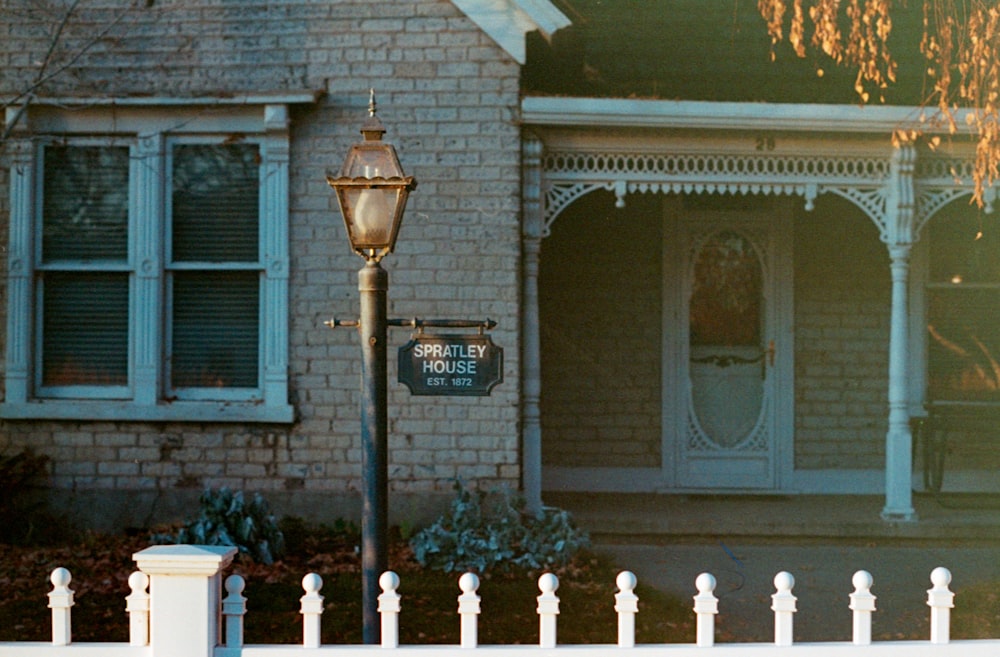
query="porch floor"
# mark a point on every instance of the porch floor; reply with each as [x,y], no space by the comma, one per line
[653,518]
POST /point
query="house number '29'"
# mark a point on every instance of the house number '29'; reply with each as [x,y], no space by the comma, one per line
[765,143]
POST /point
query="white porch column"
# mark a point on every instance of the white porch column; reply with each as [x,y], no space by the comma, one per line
[898,235]
[531,362]
[185,597]
[898,440]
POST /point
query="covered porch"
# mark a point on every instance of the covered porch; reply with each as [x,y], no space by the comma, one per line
[776,163]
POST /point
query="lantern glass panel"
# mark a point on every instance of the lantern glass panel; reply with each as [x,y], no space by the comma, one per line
[371,163]
[372,215]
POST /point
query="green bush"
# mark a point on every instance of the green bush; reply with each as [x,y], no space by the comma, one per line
[482,532]
[226,519]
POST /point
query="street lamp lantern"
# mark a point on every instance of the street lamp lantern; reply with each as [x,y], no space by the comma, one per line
[372,191]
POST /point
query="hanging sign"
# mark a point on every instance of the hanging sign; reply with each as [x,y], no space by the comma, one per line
[463,365]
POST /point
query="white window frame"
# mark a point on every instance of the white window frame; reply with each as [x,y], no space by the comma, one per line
[149,126]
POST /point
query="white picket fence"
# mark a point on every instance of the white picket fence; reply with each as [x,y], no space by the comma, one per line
[177,608]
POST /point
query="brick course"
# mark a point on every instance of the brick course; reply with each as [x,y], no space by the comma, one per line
[842,315]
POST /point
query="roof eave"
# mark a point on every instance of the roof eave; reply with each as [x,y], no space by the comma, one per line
[694,114]
[508,21]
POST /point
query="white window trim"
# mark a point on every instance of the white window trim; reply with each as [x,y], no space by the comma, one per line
[148,122]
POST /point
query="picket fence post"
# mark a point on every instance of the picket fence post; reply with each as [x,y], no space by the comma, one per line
[627,606]
[137,606]
[234,607]
[783,606]
[388,607]
[548,610]
[185,597]
[468,609]
[311,608]
[941,600]
[863,605]
[60,602]
[706,606]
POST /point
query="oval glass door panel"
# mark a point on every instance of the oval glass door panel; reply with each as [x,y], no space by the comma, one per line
[727,354]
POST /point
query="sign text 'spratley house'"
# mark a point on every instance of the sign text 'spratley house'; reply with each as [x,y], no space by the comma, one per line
[711,272]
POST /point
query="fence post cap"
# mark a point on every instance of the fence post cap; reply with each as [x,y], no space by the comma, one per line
[548,583]
[862,580]
[705,583]
[468,583]
[626,581]
[60,577]
[311,583]
[138,581]
[940,577]
[205,560]
[783,599]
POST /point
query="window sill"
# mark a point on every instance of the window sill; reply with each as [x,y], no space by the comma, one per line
[58,409]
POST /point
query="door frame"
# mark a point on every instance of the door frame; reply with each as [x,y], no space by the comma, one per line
[779,293]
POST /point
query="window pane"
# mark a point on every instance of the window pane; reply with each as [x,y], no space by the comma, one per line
[85,329]
[215,203]
[215,329]
[725,307]
[963,344]
[964,245]
[85,204]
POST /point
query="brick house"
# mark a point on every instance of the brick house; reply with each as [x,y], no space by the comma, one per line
[721,292]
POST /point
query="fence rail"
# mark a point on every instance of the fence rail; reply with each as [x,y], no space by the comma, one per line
[178,607]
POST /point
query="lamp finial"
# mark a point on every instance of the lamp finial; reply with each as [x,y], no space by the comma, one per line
[373,128]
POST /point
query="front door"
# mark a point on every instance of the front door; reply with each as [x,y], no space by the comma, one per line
[726,411]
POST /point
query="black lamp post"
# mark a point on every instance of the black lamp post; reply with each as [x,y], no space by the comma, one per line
[372,192]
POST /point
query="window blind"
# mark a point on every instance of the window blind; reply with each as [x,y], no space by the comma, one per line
[85,329]
[85,203]
[215,203]
[215,329]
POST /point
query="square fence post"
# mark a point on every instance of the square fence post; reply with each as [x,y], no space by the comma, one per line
[185,592]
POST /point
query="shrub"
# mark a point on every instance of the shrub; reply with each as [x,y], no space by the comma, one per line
[225,519]
[483,532]
[20,514]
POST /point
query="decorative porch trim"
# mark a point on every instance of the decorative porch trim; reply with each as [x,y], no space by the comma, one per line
[569,175]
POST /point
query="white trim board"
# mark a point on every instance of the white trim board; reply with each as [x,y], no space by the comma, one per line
[647,113]
[508,21]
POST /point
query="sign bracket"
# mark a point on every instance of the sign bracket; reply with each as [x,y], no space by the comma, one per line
[420,324]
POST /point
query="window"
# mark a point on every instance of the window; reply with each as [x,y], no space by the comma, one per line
[157,288]
[214,268]
[963,306]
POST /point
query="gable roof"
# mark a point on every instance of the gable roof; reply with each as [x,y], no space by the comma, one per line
[509,21]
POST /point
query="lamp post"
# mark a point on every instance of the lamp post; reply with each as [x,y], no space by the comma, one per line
[372,190]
